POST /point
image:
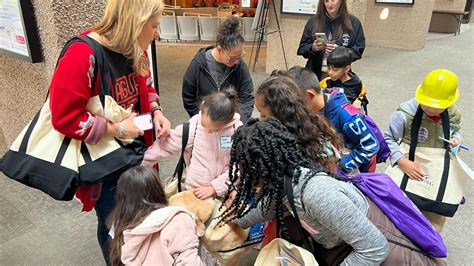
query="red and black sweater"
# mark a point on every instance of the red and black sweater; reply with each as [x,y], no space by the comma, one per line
[71,88]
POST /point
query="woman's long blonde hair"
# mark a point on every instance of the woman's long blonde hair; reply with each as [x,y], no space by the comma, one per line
[122,23]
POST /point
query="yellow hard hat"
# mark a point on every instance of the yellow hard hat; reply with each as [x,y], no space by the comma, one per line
[439,89]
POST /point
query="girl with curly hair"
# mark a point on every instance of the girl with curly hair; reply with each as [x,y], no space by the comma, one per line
[265,155]
[279,96]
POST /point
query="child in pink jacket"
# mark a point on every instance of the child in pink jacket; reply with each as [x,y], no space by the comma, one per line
[207,153]
[144,229]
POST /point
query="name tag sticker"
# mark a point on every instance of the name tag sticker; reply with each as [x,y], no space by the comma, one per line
[226,142]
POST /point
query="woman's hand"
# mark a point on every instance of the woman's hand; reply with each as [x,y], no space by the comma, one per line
[330,47]
[317,46]
[126,127]
[162,124]
[411,169]
[204,192]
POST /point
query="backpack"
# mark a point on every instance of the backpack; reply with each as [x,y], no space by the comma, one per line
[391,200]
[400,210]
[384,150]
[173,184]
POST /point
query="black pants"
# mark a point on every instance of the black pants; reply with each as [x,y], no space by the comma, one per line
[103,208]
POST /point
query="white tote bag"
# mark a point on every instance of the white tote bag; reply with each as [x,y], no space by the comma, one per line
[281,252]
[435,193]
[44,158]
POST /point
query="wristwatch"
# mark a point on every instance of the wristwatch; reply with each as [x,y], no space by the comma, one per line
[156,108]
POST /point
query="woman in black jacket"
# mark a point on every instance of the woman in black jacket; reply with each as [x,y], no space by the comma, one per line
[217,66]
[341,28]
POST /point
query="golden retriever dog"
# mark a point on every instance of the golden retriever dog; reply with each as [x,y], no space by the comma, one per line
[225,242]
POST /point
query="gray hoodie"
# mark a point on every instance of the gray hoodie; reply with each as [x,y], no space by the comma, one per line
[333,212]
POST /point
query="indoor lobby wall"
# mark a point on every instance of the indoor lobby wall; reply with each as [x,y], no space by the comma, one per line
[406,27]
[292,27]
[449,5]
[24,85]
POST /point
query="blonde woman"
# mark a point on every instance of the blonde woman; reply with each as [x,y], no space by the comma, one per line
[123,34]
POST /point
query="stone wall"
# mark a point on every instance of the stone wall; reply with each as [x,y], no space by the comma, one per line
[24,85]
[292,27]
[406,27]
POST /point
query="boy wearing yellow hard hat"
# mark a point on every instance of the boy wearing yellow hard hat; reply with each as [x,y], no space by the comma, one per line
[434,98]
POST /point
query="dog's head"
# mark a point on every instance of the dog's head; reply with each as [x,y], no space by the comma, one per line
[202,209]
[220,240]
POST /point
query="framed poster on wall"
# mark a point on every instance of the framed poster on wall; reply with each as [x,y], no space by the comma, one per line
[245,3]
[18,31]
[406,2]
[301,7]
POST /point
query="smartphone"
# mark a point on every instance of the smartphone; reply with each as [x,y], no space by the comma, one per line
[143,121]
[321,37]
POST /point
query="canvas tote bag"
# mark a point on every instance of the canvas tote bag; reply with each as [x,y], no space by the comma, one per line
[442,190]
[281,252]
[45,159]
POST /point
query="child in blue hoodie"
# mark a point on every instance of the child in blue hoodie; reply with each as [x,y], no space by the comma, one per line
[341,76]
[359,140]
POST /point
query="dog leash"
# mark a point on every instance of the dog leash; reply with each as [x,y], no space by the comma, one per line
[255,236]
[213,216]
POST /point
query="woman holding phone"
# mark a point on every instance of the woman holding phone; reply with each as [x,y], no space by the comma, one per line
[332,26]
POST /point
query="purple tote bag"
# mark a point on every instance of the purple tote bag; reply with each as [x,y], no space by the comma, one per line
[381,189]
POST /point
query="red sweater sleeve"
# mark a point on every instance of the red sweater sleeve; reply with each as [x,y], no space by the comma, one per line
[70,90]
[152,95]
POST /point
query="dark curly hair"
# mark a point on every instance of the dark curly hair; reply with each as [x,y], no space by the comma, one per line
[285,101]
[264,151]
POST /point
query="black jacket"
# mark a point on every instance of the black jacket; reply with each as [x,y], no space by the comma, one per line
[352,88]
[353,40]
[198,82]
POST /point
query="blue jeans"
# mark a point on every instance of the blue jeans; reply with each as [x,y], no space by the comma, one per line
[103,207]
